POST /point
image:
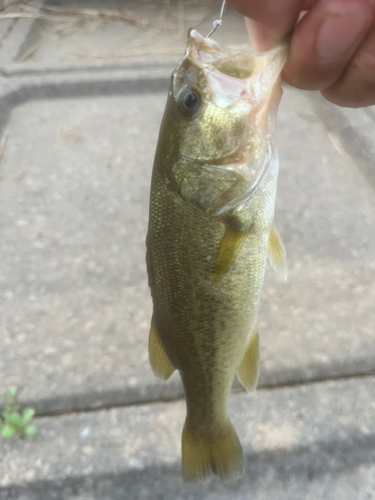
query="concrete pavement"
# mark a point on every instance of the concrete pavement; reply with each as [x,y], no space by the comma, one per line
[75,174]
[313,441]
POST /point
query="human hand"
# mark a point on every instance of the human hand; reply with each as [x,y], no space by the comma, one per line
[332,46]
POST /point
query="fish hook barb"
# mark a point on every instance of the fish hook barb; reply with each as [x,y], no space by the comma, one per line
[219,21]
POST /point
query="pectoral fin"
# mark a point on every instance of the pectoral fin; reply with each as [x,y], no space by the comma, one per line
[229,248]
[159,361]
[277,254]
[248,371]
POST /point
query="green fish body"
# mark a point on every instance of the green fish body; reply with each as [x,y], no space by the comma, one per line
[210,232]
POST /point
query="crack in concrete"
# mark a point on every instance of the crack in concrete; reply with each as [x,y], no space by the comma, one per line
[167,400]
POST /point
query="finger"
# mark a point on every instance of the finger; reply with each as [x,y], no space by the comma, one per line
[309,4]
[356,87]
[270,20]
[325,40]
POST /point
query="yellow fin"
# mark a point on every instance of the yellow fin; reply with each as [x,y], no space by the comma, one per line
[159,361]
[277,254]
[248,370]
[220,454]
[229,248]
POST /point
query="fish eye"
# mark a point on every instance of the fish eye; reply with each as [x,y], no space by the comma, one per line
[189,102]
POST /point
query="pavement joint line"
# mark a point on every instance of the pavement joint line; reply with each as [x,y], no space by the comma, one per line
[339,124]
[14,72]
[234,391]
[321,441]
[20,79]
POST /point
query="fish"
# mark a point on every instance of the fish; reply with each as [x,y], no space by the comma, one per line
[211,229]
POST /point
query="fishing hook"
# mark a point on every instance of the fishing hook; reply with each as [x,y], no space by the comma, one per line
[219,21]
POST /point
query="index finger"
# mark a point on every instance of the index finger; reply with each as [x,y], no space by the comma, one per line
[270,20]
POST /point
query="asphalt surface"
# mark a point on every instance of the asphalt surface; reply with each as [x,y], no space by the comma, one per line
[75,309]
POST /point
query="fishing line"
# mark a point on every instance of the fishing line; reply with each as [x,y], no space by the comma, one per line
[219,21]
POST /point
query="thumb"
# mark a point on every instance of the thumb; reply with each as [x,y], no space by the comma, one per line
[268,20]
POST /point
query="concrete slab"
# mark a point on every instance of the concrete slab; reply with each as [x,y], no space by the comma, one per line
[314,441]
[75,311]
[81,107]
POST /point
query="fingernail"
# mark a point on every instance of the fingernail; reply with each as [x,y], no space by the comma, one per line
[340,34]
[260,37]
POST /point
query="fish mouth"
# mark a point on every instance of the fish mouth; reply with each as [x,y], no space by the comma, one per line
[241,64]
[230,62]
[230,72]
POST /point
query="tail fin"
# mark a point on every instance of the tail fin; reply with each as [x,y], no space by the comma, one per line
[220,454]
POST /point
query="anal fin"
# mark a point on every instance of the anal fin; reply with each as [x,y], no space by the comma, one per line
[229,248]
[248,370]
[159,361]
[277,254]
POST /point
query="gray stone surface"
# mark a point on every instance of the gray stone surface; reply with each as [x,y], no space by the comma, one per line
[311,442]
[80,104]
[75,305]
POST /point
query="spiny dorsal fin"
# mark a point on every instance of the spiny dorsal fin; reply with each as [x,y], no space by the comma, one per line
[229,248]
[277,254]
[248,370]
[159,361]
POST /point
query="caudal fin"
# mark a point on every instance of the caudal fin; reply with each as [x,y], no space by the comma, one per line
[220,454]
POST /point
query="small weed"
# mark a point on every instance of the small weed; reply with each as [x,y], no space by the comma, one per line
[15,422]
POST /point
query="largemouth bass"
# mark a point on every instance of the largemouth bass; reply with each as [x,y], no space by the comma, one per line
[210,231]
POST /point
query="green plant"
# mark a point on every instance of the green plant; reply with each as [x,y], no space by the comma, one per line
[15,422]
